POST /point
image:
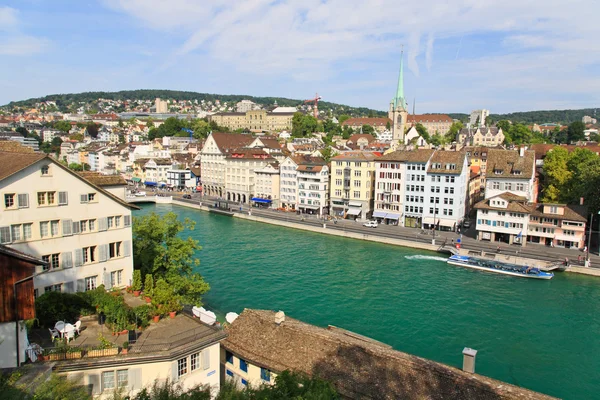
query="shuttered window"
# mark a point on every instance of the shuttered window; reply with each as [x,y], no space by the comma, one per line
[102,224]
[23,200]
[67,226]
[76,228]
[78,258]
[127,248]
[103,252]
[5,234]
[66,260]
[205,359]
[63,198]
[127,220]
[69,287]
[84,198]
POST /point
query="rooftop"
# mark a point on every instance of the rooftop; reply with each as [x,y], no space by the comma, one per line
[101,180]
[418,156]
[509,164]
[356,156]
[447,159]
[359,367]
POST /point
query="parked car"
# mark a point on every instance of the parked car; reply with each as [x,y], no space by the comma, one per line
[187,196]
[140,194]
[370,224]
[466,223]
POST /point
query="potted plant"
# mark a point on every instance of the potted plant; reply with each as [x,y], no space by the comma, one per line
[137,282]
[125,348]
[105,348]
[148,287]
[73,353]
[174,305]
[153,313]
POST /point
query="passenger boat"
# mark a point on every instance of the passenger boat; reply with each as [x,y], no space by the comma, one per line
[499,267]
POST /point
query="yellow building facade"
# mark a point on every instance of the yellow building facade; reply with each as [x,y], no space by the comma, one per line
[352,185]
[254,120]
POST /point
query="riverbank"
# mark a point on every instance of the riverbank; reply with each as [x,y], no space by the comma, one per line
[322,229]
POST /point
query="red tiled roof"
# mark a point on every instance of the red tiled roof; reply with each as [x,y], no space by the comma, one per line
[429,118]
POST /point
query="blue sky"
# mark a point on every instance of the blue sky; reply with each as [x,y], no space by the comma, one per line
[462,55]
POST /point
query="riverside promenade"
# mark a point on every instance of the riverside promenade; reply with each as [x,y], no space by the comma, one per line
[531,254]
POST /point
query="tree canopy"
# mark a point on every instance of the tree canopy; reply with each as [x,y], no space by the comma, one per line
[569,176]
[303,125]
[159,248]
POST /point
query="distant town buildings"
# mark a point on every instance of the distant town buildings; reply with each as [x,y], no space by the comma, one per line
[480,136]
[436,124]
[588,120]
[254,120]
[478,117]
[161,106]
[246,105]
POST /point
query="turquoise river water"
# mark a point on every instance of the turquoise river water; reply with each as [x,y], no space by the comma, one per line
[542,335]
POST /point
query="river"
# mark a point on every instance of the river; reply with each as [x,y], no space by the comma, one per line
[542,335]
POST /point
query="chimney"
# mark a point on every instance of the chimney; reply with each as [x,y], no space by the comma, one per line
[581,201]
[279,317]
[469,359]
[522,151]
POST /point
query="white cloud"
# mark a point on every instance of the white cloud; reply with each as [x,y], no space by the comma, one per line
[22,45]
[12,41]
[8,18]
[541,41]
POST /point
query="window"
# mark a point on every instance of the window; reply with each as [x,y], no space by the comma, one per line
[110,222]
[9,200]
[27,231]
[182,367]
[44,232]
[553,210]
[88,197]
[243,365]
[228,357]
[114,249]
[89,254]
[244,382]
[51,260]
[23,200]
[356,194]
[16,232]
[122,378]
[51,197]
[45,170]
[115,277]
[54,228]
[520,187]
[90,283]
[194,361]
[108,380]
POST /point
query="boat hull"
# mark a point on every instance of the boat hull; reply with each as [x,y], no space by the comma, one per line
[460,263]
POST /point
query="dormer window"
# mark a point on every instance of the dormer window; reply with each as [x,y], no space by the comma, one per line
[497,171]
[45,170]
[553,210]
[517,172]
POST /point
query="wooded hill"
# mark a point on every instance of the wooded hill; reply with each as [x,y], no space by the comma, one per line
[564,117]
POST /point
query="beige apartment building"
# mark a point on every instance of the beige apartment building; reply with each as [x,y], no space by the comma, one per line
[240,167]
[352,184]
[254,120]
[480,136]
[212,159]
[434,123]
[267,186]
[80,229]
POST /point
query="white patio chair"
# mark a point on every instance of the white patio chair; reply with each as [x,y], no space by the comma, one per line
[60,327]
[69,334]
[54,333]
[77,326]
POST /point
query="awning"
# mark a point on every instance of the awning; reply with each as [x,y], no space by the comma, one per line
[309,206]
[428,220]
[355,204]
[566,238]
[149,183]
[379,214]
[393,216]
[447,223]
[136,179]
[354,211]
[162,184]
[258,200]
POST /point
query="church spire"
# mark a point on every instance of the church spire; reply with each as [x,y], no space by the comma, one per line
[399,100]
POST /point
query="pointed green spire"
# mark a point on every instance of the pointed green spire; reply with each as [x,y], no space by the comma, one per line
[399,99]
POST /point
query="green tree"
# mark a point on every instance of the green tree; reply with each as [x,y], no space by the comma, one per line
[92,129]
[504,125]
[327,153]
[343,118]
[160,249]
[520,134]
[556,174]
[62,125]
[75,167]
[150,123]
[303,125]
[368,129]
[575,132]
[455,128]
[22,131]
[437,140]
[423,132]
[388,125]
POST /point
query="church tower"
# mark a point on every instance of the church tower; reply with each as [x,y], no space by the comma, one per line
[398,113]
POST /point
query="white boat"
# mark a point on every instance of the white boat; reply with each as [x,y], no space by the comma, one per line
[498,267]
[140,194]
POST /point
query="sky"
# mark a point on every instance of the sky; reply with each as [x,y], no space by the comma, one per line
[460,55]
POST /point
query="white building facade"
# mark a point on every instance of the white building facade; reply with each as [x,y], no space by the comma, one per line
[81,230]
[288,183]
[267,186]
[313,187]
